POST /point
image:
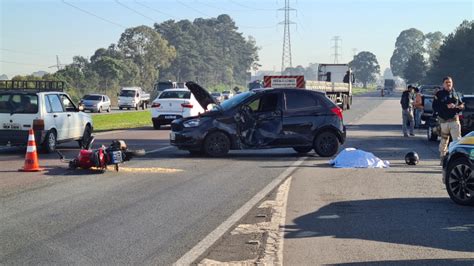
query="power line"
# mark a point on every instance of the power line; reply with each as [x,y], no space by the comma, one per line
[156,10]
[135,11]
[336,40]
[192,8]
[286,53]
[94,15]
[249,7]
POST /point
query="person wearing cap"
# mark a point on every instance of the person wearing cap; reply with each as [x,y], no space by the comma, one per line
[407,111]
[448,104]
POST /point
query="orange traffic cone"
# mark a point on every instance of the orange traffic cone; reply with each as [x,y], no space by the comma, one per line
[31,158]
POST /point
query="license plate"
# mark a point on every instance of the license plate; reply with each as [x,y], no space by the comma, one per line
[116,157]
[11,126]
[170,117]
[172,136]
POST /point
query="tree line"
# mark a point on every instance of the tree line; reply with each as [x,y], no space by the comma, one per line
[209,51]
[427,58]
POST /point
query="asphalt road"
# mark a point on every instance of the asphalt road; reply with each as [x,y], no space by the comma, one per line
[153,212]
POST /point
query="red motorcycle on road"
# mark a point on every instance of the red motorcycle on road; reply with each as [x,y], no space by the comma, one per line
[115,154]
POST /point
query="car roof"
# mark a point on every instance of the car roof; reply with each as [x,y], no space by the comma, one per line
[177,89]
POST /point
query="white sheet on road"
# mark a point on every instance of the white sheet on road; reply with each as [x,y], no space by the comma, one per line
[354,158]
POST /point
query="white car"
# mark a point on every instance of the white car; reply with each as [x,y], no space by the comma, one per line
[173,104]
[47,110]
[96,103]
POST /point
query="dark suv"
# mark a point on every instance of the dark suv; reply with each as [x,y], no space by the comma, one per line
[261,119]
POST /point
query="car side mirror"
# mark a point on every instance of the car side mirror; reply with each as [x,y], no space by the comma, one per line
[210,106]
[80,108]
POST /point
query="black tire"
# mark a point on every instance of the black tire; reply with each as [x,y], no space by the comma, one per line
[349,102]
[50,141]
[460,181]
[143,106]
[120,108]
[128,108]
[156,124]
[136,107]
[99,110]
[216,144]
[326,144]
[85,137]
[303,150]
[108,110]
[431,135]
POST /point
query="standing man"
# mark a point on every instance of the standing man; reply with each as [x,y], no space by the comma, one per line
[447,103]
[418,104]
[407,111]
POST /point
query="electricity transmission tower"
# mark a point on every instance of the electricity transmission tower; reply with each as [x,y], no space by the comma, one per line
[337,55]
[286,54]
[58,65]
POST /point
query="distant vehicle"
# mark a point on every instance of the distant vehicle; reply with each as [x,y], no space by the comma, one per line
[227,95]
[388,86]
[333,79]
[173,104]
[133,97]
[160,86]
[261,119]
[256,84]
[428,92]
[217,96]
[96,103]
[458,166]
[43,107]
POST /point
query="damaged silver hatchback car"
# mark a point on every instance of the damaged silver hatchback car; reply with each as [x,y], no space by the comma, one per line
[261,119]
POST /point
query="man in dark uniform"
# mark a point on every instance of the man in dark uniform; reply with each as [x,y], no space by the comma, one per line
[447,103]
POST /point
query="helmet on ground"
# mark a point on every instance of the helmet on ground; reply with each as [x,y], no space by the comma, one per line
[412,158]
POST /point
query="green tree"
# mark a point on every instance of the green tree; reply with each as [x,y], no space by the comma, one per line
[456,59]
[148,50]
[408,42]
[365,67]
[434,40]
[415,70]
[110,70]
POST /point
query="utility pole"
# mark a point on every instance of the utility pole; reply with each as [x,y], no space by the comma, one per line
[354,52]
[336,40]
[286,53]
[58,65]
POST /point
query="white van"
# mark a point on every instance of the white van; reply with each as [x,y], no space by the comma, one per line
[43,107]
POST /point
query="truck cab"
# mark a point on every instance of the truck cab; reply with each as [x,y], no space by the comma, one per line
[133,97]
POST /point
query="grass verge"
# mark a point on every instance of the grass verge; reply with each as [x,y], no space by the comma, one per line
[121,120]
[358,90]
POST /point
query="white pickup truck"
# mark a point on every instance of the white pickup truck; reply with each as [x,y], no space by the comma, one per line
[133,97]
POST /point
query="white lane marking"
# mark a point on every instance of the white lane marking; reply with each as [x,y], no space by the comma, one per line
[210,239]
[160,149]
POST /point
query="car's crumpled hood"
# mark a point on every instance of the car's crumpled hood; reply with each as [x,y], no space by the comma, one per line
[201,94]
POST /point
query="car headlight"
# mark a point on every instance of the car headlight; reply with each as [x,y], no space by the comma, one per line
[192,123]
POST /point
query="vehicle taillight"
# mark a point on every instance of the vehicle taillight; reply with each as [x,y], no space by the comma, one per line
[187,105]
[155,105]
[337,111]
[38,124]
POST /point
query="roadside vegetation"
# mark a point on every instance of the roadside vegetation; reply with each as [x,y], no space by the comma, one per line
[125,120]
[360,90]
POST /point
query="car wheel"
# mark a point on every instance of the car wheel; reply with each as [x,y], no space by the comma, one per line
[136,107]
[303,149]
[108,110]
[99,110]
[49,144]
[120,108]
[326,144]
[216,144]
[460,181]
[431,135]
[85,137]
[156,125]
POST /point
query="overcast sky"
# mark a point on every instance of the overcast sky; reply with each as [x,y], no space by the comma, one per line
[34,32]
